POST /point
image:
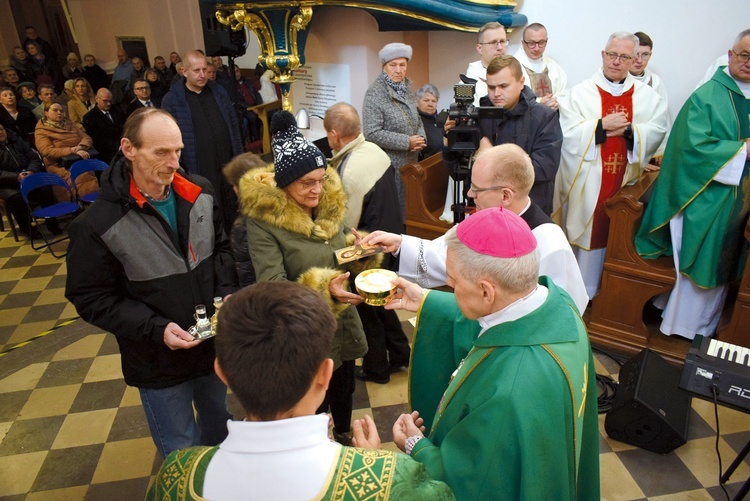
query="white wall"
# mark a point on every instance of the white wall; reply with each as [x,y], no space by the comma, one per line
[688,35]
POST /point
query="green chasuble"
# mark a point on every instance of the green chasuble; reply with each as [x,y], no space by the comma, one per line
[709,131]
[519,419]
[357,475]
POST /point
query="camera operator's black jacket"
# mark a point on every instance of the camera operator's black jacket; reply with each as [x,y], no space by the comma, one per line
[535,128]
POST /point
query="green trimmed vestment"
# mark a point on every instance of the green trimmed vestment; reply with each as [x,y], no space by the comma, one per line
[519,419]
[358,475]
[709,131]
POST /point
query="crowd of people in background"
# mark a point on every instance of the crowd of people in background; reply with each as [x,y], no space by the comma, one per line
[42,98]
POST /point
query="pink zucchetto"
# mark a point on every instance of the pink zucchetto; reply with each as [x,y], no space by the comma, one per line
[496,232]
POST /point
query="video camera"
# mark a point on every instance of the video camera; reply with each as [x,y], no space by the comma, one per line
[464,138]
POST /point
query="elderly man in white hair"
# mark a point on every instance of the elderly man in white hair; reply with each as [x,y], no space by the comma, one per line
[502,373]
[501,177]
[612,125]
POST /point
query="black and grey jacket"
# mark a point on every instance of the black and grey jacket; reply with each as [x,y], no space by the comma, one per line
[130,274]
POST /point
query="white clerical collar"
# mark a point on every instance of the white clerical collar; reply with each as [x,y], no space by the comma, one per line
[615,88]
[744,87]
[643,77]
[276,436]
[528,204]
[536,65]
[517,309]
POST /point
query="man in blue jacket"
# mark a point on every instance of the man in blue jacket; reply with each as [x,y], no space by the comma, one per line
[209,128]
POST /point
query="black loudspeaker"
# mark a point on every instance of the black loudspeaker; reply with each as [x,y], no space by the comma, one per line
[650,410]
[218,38]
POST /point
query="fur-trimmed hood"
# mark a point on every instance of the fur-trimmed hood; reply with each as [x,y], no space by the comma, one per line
[261,199]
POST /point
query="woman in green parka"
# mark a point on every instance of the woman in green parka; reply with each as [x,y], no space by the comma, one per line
[295,222]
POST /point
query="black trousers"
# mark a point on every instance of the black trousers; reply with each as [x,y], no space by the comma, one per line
[386,341]
[339,397]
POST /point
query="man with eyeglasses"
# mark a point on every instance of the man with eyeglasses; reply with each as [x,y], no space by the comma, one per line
[542,73]
[491,43]
[104,123]
[142,99]
[641,73]
[612,126]
[699,207]
[502,176]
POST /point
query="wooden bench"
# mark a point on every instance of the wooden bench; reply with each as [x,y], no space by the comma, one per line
[629,282]
[425,184]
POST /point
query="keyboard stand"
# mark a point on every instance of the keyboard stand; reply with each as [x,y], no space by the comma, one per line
[735,464]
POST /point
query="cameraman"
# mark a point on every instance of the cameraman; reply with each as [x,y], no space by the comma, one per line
[526,123]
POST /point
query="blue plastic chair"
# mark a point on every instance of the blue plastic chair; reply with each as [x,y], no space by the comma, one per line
[81,167]
[42,214]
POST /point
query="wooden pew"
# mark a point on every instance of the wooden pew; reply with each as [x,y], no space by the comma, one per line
[629,282]
[738,330]
[425,184]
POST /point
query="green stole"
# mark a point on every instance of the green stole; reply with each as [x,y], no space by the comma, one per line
[713,249]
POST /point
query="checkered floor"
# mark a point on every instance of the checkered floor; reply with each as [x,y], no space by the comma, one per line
[71,429]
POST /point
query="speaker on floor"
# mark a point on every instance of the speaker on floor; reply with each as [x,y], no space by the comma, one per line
[218,38]
[650,410]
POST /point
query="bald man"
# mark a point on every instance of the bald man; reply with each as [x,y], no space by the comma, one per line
[209,128]
[104,124]
[123,69]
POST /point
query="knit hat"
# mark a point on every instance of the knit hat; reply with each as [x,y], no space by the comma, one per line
[393,51]
[496,232]
[293,155]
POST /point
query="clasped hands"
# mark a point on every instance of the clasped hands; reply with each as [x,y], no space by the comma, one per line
[615,124]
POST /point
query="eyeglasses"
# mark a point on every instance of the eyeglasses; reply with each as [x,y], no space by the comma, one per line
[491,188]
[308,185]
[141,88]
[744,57]
[495,43]
[531,44]
[643,55]
[613,56]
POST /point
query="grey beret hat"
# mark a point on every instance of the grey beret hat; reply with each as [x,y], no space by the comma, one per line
[393,51]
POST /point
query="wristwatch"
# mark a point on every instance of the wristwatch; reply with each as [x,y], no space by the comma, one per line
[411,442]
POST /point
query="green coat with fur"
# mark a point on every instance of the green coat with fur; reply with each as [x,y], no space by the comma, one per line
[286,244]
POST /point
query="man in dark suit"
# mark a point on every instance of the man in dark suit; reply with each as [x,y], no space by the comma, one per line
[142,91]
[104,124]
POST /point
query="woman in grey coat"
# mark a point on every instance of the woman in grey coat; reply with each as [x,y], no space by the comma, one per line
[389,116]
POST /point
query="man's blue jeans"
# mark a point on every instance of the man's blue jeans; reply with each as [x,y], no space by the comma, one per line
[171,419]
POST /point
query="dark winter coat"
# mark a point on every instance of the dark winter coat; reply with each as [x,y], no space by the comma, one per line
[131,275]
[175,102]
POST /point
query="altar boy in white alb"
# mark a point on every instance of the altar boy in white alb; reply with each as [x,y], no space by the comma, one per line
[612,125]
[542,73]
[272,346]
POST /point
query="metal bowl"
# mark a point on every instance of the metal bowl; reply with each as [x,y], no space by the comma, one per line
[375,286]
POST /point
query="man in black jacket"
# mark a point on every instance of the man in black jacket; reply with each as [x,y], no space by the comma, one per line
[526,123]
[104,124]
[140,259]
